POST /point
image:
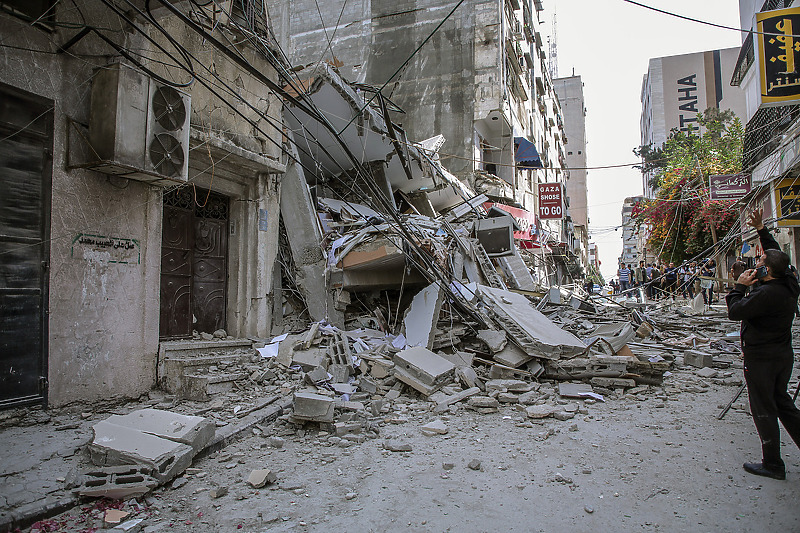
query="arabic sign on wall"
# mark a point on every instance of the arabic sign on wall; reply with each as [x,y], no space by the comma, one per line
[106,249]
[787,202]
[729,186]
[779,55]
[550,201]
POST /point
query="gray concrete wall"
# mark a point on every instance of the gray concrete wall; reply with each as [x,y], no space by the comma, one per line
[104,316]
[372,40]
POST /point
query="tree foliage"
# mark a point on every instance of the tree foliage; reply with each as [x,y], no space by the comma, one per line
[681,215]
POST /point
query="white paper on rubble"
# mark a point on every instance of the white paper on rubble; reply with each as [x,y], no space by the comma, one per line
[334,246]
[399,342]
[271,349]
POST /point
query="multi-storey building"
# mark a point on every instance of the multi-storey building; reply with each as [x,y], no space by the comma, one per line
[630,246]
[477,75]
[573,108]
[676,88]
[104,249]
[771,154]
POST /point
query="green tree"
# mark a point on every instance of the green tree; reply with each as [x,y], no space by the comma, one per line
[681,215]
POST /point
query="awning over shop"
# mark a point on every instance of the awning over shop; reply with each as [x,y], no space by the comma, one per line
[526,154]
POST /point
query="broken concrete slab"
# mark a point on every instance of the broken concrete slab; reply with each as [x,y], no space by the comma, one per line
[616,335]
[419,322]
[313,407]
[512,355]
[261,477]
[495,339]
[444,404]
[119,445]
[195,431]
[422,369]
[397,446]
[613,383]
[436,427]
[509,385]
[307,359]
[574,390]
[460,359]
[528,327]
[707,372]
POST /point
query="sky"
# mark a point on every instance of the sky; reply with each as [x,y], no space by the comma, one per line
[609,44]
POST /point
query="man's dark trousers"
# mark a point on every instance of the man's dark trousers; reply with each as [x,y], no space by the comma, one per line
[767,382]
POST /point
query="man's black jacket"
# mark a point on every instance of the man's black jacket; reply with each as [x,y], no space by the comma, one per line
[767,312]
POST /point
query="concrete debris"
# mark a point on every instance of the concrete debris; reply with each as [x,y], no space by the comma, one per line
[162,441]
[436,427]
[423,370]
[260,478]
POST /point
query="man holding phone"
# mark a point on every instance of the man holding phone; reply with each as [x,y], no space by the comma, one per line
[767,313]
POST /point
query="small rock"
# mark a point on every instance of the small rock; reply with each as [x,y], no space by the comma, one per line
[589,509]
[219,334]
[350,496]
[207,336]
[276,442]
[180,482]
[474,465]
[437,427]
[261,477]
[540,411]
[397,446]
[483,402]
[448,466]
[218,492]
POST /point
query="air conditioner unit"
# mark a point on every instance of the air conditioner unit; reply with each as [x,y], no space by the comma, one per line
[139,127]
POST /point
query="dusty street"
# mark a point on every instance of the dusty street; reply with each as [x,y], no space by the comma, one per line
[655,461]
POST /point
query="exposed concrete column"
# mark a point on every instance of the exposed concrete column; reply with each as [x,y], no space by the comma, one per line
[305,240]
[378,171]
[259,254]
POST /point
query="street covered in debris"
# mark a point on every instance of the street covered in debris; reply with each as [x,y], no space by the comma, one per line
[264,272]
[332,429]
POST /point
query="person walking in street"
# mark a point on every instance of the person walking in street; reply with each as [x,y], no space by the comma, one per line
[687,277]
[671,281]
[655,281]
[766,314]
[639,274]
[624,274]
[709,270]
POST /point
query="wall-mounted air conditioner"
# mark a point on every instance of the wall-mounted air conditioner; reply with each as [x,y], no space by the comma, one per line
[139,127]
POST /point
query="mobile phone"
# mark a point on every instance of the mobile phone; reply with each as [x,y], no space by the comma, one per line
[762,272]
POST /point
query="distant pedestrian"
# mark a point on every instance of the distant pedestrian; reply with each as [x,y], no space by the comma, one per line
[639,274]
[624,274]
[655,282]
[709,270]
[671,281]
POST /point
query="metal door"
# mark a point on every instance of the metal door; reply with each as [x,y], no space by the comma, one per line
[26,145]
[194,257]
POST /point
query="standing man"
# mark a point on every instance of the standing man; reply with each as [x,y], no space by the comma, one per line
[640,274]
[624,274]
[766,333]
[671,280]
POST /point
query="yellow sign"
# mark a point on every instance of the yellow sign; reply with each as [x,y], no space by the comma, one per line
[787,200]
[779,55]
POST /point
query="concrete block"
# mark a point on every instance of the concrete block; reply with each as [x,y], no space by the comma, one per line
[495,339]
[259,478]
[707,372]
[613,383]
[313,407]
[697,358]
[316,375]
[468,376]
[340,373]
[508,385]
[345,428]
[367,385]
[422,369]
[195,431]
[309,359]
[540,411]
[119,445]
[117,482]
